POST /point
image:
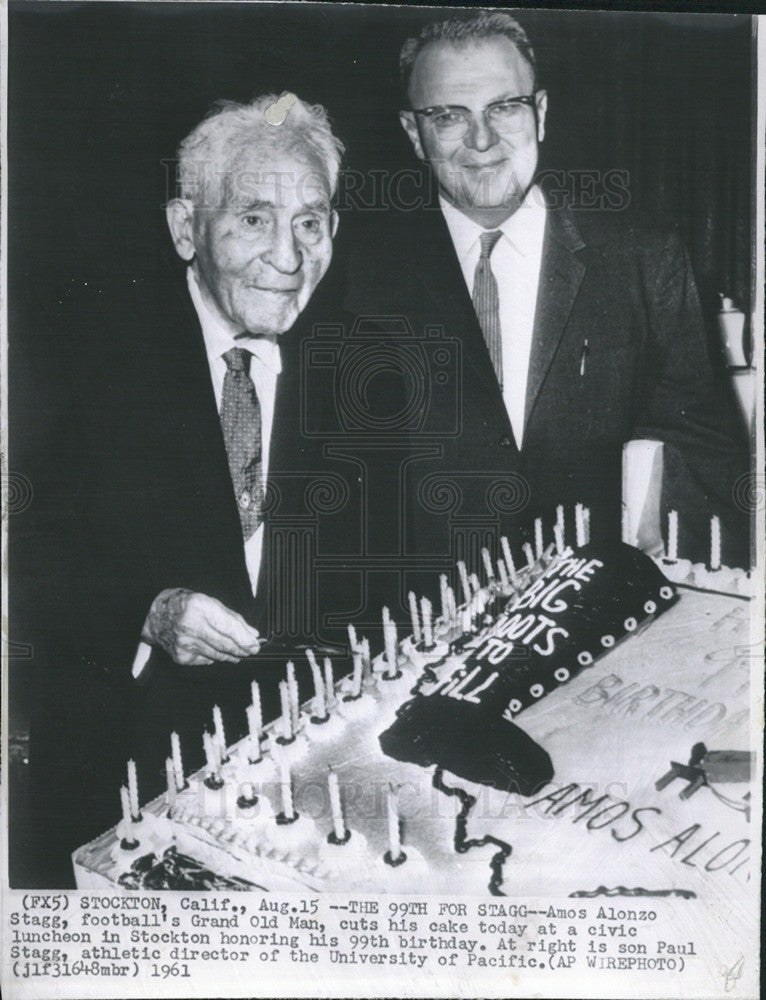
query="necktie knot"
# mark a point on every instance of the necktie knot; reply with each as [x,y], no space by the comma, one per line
[488,241]
[238,359]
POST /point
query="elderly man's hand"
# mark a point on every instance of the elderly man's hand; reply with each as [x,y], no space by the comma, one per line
[196,629]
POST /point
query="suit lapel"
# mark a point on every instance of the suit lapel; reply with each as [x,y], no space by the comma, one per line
[191,411]
[435,263]
[197,407]
[560,276]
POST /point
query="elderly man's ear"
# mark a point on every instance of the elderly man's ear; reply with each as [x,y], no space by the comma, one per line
[180,215]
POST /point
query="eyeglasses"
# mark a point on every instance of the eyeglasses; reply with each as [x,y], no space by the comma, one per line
[506,116]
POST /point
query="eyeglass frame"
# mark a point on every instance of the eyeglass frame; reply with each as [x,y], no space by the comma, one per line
[528,100]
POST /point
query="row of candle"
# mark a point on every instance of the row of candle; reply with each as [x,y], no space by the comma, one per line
[671,550]
[506,581]
[288,814]
[423,631]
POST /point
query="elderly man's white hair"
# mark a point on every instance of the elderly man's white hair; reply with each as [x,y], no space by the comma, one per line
[207,157]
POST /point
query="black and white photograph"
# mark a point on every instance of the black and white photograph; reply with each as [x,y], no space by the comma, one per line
[383,500]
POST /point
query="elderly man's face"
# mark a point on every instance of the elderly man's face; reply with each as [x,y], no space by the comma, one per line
[485,173]
[260,256]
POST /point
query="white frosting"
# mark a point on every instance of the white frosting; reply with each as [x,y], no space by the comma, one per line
[347,860]
[357,708]
[301,835]
[323,732]
[725,580]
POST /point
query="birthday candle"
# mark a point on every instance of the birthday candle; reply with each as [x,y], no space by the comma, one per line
[211,757]
[171,778]
[389,636]
[452,606]
[352,640]
[366,658]
[488,568]
[579,525]
[463,573]
[316,674]
[175,750]
[586,522]
[125,800]
[394,839]
[129,831]
[357,678]
[287,724]
[292,690]
[428,633]
[329,683]
[508,559]
[218,730]
[715,543]
[538,536]
[253,735]
[338,823]
[443,595]
[466,625]
[474,581]
[286,788]
[320,704]
[560,518]
[255,694]
[558,534]
[505,585]
[673,535]
[416,633]
[481,602]
[529,554]
[254,728]
[135,812]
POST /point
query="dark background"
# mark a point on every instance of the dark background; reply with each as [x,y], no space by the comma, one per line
[99,95]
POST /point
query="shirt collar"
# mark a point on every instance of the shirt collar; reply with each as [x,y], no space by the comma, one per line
[523,230]
[220,335]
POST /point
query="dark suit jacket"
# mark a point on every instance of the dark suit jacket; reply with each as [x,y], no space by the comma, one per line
[618,353]
[134,496]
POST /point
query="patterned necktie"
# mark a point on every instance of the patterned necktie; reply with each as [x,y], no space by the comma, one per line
[486,303]
[241,423]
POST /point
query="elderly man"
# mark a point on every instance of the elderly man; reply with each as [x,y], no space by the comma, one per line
[256,226]
[576,332]
[190,426]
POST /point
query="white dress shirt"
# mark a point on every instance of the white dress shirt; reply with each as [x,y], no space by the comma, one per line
[265,366]
[515,262]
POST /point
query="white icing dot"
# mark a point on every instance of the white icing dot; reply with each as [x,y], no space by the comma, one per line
[650,607]
[607,641]
[514,705]
[630,624]
[562,674]
[666,593]
[584,658]
[537,690]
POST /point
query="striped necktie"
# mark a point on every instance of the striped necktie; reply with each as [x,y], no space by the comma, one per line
[486,303]
[241,424]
